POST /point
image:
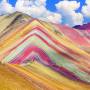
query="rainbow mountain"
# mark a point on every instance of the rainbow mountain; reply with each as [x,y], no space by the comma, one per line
[49,56]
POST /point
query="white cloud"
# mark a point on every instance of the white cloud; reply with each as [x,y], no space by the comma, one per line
[54,18]
[5,7]
[68,5]
[37,9]
[68,11]
[86,9]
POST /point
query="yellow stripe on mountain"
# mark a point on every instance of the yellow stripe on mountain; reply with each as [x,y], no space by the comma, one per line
[44,75]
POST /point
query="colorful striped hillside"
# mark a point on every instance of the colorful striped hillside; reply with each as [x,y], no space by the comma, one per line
[49,56]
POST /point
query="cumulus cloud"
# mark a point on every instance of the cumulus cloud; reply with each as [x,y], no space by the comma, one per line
[86,9]
[5,7]
[37,9]
[68,10]
[54,18]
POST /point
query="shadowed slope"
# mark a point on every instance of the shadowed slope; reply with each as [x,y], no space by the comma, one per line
[83,27]
[8,23]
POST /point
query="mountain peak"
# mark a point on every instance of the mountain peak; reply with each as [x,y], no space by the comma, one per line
[83,27]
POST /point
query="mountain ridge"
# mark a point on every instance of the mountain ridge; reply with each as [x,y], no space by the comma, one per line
[25,40]
[83,27]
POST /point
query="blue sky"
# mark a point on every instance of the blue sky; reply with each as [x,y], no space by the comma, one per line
[59,11]
[51,4]
[12,2]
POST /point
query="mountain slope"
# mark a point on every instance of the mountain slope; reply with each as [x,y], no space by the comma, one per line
[11,81]
[12,21]
[65,50]
[46,77]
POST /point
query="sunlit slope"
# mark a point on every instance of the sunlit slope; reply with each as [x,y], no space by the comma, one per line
[43,76]
[35,76]
[59,47]
[10,80]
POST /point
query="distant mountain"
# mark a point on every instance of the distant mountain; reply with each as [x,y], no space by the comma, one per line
[83,27]
[65,50]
